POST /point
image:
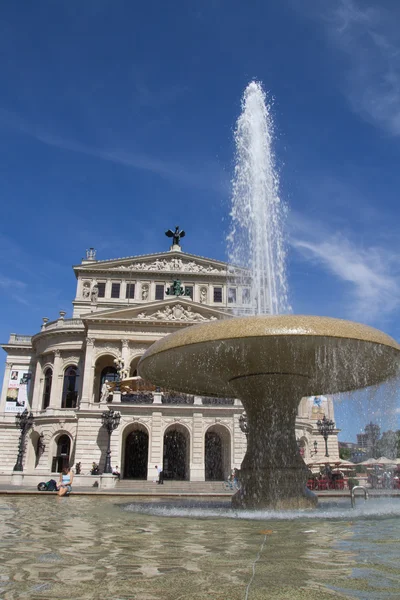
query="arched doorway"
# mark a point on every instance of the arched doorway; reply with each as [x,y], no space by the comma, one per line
[136,455]
[213,457]
[176,454]
[61,459]
[217,453]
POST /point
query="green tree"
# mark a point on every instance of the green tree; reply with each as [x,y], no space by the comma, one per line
[344,453]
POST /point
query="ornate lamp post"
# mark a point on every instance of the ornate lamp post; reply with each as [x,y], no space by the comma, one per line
[243,424]
[110,420]
[325,428]
[24,422]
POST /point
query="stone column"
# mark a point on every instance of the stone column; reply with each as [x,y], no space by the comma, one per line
[197,470]
[273,474]
[57,382]
[37,382]
[88,374]
[156,445]
[5,386]
[125,353]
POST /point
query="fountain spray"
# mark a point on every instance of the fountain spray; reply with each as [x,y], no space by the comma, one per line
[255,239]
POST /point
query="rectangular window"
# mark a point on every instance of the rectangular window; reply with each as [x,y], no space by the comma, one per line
[218,294]
[246,296]
[231,295]
[102,289]
[159,292]
[130,290]
[189,291]
[115,288]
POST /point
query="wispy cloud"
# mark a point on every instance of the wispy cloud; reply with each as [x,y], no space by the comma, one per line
[204,175]
[367,33]
[371,273]
[14,288]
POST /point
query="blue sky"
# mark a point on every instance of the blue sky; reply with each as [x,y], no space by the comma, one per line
[116,122]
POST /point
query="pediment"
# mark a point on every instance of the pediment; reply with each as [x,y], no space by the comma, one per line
[173,310]
[164,262]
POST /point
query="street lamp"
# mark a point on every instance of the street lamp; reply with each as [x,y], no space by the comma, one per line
[24,422]
[110,420]
[325,428]
[243,424]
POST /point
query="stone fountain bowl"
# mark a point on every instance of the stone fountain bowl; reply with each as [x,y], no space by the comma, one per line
[270,362]
[324,355]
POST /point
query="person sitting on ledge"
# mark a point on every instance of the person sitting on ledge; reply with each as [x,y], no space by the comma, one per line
[115,472]
[64,485]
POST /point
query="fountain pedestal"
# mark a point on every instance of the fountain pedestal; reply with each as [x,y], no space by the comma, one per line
[270,362]
[273,474]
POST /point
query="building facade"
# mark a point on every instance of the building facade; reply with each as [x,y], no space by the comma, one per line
[121,307]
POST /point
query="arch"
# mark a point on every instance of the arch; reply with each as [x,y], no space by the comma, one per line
[61,452]
[133,365]
[48,380]
[176,453]
[104,369]
[107,374]
[302,444]
[136,453]
[217,453]
[70,387]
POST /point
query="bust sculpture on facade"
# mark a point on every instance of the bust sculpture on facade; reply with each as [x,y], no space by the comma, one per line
[145,292]
[86,290]
[94,293]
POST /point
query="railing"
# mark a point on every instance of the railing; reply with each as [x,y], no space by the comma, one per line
[177,399]
[220,401]
[19,339]
[69,323]
[353,495]
[147,397]
[139,398]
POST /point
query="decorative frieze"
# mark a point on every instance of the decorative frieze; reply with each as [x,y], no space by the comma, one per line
[175,313]
[173,264]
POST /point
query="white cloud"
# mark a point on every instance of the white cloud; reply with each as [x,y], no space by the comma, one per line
[368,35]
[370,272]
[204,175]
[8,283]
[13,288]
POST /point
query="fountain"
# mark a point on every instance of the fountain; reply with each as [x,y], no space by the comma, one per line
[268,361]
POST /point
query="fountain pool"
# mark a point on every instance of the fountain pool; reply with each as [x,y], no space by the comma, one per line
[145,551]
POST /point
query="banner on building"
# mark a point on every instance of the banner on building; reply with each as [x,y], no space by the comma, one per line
[18,390]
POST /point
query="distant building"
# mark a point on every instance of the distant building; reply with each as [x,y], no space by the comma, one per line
[120,308]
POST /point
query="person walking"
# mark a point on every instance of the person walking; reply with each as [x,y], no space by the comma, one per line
[160,475]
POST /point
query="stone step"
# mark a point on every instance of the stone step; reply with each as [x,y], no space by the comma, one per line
[181,486]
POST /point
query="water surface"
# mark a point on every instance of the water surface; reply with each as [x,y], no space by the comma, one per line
[101,548]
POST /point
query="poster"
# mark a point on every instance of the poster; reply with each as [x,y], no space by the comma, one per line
[18,389]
